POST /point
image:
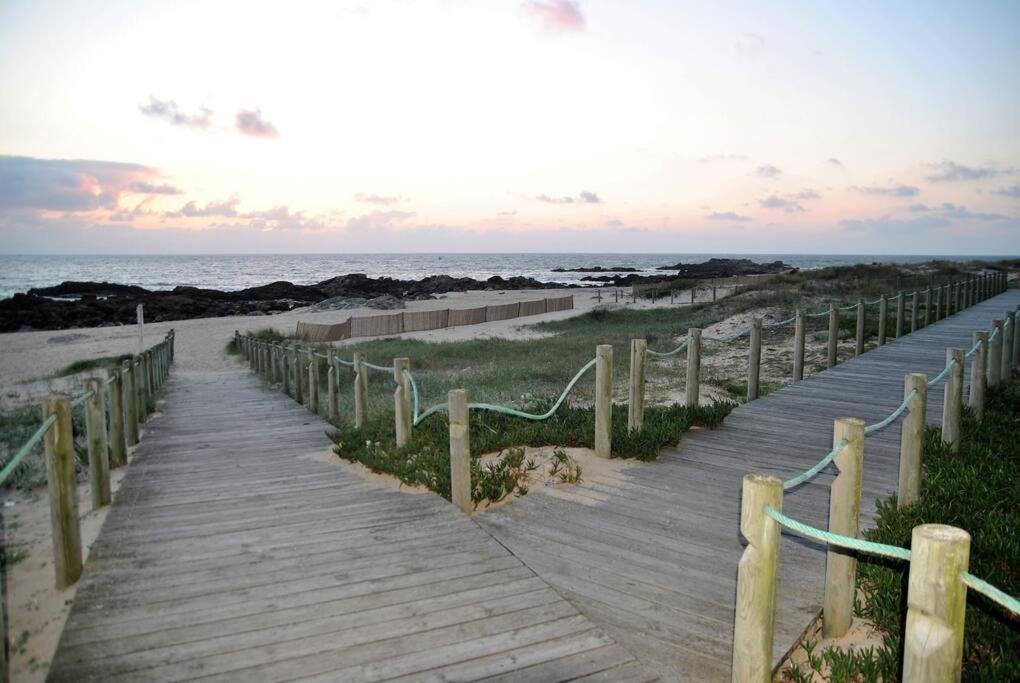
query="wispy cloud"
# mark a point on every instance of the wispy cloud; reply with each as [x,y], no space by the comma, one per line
[167,110]
[226,208]
[833,161]
[776,202]
[750,44]
[721,158]
[556,15]
[803,195]
[886,225]
[1013,192]
[250,122]
[379,199]
[768,171]
[584,197]
[73,184]
[889,190]
[955,211]
[950,171]
[378,220]
[505,214]
[728,216]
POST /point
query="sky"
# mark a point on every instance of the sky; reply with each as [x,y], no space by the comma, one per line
[509,126]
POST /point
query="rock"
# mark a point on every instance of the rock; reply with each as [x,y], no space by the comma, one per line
[597,269]
[727,267]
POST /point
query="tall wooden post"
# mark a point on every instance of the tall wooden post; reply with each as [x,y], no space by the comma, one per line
[360,390]
[995,354]
[693,366]
[936,604]
[118,437]
[603,400]
[798,347]
[927,307]
[60,482]
[899,314]
[844,519]
[912,438]
[754,360]
[138,370]
[754,618]
[883,318]
[952,404]
[830,360]
[978,377]
[959,297]
[95,430]
[460,450]
[859,345]
[331,381]
[636,402]
[1016,337]
[938,304]
[315,377]
[913,311]
[1009,331]
[300,377]
[402,401]
[127,377]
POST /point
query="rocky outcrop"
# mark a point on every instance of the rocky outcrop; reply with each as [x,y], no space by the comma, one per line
[727,267]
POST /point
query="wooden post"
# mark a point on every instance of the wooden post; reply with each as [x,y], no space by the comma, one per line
[859,346]
[754,360]
[978,378]
[140,315]
[936,604]
[693,366]
[844,518]
[60,482]
[913,312]
[833,335]
[118,438]
[713,293]
[402,401]
[1009,332]
[883,318]
[899,314]
[127,378]
[798,347]
[138,371]
[754,618]
[331,393]
[360,390]
[315,375]
[952,404]
[912,438]
[603,400]
[460,450]
[995,355]
[284,361]
[636,403]
[927,307]
[1016,337]
[299,378]
[959,297]
[95,430]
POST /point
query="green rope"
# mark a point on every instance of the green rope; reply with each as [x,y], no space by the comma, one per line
[815,469]
[732,337]
[663,354]
[942,375]
[26,447]
[991,592]
[891,551]
[81,399]
[111,380]
[973,349]
[892,416]
[848,308]
[781,322]
[373,366]
[503,409]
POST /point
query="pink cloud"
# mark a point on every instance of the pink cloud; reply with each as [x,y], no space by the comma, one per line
[556,15]
[251,123]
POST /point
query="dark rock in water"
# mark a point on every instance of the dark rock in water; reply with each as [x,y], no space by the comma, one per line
[80,289]
[597,269]
[727,267]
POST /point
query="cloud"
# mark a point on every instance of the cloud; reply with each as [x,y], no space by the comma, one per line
[727,216]
[251,123]
[226,208]
[71,184]
[560,16]
[719,158]
[377,220]
[803,195]
[886,225]
[512,212]
[143,187]
[382,200]
[949,171]
[834,162]
[955,211]
[584,197]
[1013,192]
[750,44]
[768,171]
[168,111]
[775,202]
[889,191]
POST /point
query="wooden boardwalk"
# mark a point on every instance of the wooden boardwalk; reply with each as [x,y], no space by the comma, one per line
[651,555]
[233,552]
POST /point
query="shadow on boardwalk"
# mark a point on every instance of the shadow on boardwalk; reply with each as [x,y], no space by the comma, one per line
[231,554]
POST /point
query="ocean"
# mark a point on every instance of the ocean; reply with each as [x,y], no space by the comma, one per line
[231,272]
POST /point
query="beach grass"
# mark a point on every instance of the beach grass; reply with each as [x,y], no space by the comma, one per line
[90,364]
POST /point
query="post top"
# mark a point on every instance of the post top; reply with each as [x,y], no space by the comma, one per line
[940,533]
[762,480]
[851,421]
[604,350]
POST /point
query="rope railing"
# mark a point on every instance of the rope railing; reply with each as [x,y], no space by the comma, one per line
[663,354]
[991,592]
[882,424]
[816,468]
[13,463]
[849,542]
[942,375]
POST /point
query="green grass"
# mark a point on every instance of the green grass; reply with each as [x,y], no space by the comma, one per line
[426,460]
[80,366]
[975,490]
[16,426]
